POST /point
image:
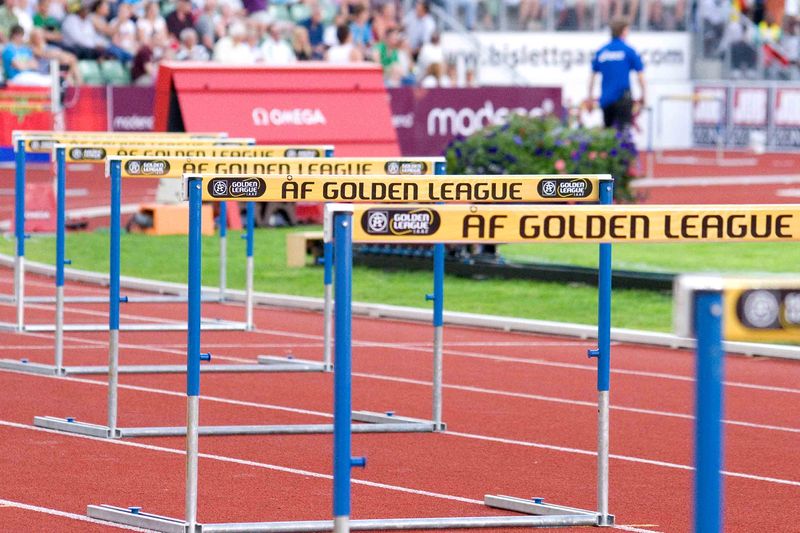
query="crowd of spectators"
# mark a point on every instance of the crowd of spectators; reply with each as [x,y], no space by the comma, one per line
[401,36]
[141,33]
[752,40]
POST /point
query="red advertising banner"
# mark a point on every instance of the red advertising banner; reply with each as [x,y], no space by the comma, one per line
[428,119]
[750,106]
[786,118]
[311,103]
[21,108]
[709,115]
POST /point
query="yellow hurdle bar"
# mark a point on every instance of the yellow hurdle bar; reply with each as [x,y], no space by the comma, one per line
[281,161]
[607,224]
[394,188]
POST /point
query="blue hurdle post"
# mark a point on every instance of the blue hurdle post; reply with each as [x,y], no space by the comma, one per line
[19,231]
[115,172]
[249,266]
[223,249]
[193,348]
[327,309]
[342,430]
[708,412]
[603,354]
[61,207]
[438,321]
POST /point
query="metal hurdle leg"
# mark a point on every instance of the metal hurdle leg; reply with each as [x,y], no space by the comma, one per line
[709,407]
[223,250]
[603,354]
[438,332]
[19,232]
[249,266]
[342,375]
[61,207]
[193,347]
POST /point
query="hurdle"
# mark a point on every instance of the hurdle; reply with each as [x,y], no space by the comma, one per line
[44,142]
[135,167]
[719,158]
[338,229]
[712,308]
[98,153]
[175,167]
[293,188]
[460,224]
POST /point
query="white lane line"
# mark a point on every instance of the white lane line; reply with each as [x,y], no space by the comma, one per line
[583,403]
[466,388]
[704,181]
[619,457]
[448,432]
[496,392]
[64,514]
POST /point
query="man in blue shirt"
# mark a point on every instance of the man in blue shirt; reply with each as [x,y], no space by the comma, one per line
[19,65]
[614,62]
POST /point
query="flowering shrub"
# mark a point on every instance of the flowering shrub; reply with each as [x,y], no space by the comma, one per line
[526,145]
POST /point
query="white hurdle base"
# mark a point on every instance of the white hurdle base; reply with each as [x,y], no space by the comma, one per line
[367,422]
[536,514]
[207,325]
[273,360]
[177,298]
[276,364]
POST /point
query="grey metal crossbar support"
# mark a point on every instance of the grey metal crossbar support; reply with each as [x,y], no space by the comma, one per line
[271,360]
[286,365]
[104,299]
[215,325]
[163,524]
[364,422]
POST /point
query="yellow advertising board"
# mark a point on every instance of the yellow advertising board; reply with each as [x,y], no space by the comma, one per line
[43,142]
[284,163]
[396,188]
[756,308]
[617,223]
[762,310]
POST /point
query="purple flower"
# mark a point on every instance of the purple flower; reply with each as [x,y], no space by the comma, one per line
[576,156]
[539,151]
[613,152]
[510,158]
[517,140]
[548,153]
[492,149]
[458,152]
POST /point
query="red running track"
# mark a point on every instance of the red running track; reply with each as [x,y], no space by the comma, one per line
[519,408]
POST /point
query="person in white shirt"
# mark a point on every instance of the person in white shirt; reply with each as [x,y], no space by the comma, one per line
[275,50]
[233,48]
[345,51]
[191,49]
[419,26]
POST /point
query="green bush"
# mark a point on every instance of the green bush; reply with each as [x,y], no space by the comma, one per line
[526,145]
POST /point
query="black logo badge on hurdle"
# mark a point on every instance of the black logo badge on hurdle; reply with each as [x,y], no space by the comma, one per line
[87,154]
[37,144]
[137,167]
[406,168]
[237,187]
[301,152]
[769,309]
[565,188]
[399,222]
